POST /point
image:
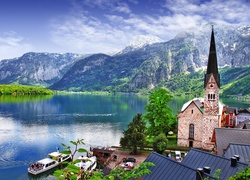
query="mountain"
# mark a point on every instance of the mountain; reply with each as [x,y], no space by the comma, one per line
[157,64]
[139,42]
[42,69]
[177,64]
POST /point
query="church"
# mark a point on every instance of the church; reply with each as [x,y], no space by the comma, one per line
[200,116]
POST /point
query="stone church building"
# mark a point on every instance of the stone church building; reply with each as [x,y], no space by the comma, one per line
[199,117]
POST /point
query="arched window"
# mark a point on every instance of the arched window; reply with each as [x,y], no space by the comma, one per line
[191,131]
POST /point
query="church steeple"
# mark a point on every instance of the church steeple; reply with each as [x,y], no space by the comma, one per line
[212,66]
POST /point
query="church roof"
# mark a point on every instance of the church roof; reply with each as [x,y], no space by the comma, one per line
[199,103]
[212,66]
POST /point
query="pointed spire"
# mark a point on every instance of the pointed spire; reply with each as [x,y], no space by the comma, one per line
[212,66]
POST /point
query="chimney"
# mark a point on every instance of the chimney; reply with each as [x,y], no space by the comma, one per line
[233,161]
[199,174]
[237,157]
[207,169]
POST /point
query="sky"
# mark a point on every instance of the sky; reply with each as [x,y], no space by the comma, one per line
[105,26]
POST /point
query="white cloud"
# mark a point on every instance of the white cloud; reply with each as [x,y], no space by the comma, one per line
[229,11]
[89,33]
[122,7]
[12,45]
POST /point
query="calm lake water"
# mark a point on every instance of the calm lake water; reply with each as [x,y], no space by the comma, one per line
[32,127]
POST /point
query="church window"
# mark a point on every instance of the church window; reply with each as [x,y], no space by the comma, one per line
[211,96]
[191,131]
[192,111]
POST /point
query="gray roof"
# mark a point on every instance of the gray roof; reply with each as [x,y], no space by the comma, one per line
[167,168]
[246,110]
[244,124]
[225,136]
[232,110]
[199,159]
[247,126]
[242,150]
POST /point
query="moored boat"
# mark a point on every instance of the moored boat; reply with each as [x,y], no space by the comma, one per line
[42,166]
[86,163]
[54,159]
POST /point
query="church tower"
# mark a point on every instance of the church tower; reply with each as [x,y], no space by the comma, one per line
[211,100]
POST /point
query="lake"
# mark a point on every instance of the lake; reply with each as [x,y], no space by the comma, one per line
[32,127]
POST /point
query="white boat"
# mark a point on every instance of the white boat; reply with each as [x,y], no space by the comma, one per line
[86,163]
[59,157]
[48,163]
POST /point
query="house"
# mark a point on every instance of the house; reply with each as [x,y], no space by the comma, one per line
[196,164]
[231,113]
[243,114]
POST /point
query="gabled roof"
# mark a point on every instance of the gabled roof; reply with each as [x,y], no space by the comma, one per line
[197,101]
[198,159]
[167,168]
[225,136]
[242,150]
[244,124]
[246,110]
[231,110]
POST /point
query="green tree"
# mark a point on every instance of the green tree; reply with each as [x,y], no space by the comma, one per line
[242,175]
[72,152]
[134,136]
[71,171]
[121,174]
[160,143]
[159,115]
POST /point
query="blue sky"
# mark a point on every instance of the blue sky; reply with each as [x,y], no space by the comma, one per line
[93,26]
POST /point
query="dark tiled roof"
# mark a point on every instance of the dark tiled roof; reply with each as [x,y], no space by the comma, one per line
[166,168]
[242,150]
[244,124]
[247,110]
[225,136]
[231,110]
[200,159]
[247,126]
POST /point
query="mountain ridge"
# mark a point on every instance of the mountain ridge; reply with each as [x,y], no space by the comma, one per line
[148,66]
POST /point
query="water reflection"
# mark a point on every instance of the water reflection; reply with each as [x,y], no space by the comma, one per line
[31,129]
